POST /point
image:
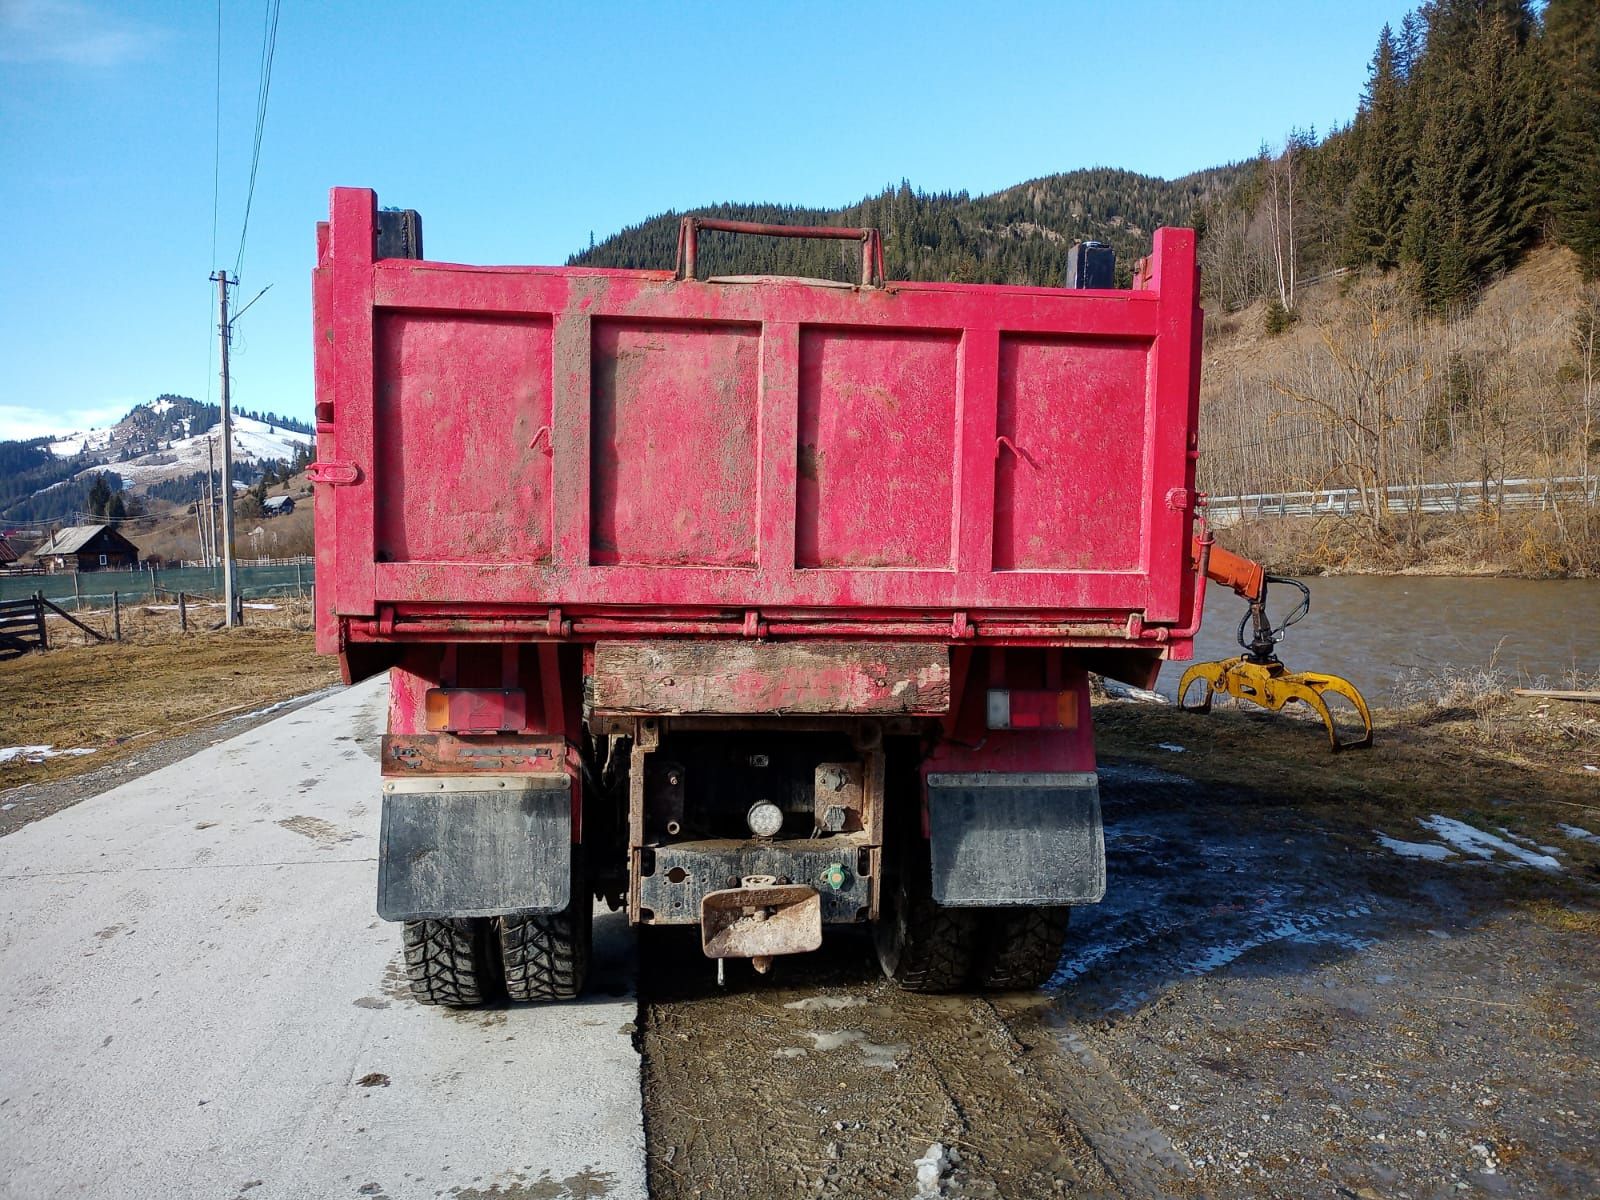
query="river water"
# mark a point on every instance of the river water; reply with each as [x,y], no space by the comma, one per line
[1378,629]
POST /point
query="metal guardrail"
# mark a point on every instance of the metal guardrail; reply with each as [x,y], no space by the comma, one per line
[1465,496]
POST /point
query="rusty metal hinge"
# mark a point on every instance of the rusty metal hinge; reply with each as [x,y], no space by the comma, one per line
[333,473]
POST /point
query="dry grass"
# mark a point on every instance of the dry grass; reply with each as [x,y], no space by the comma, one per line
[144,621]
[1478,704]
[1523,543]
[1563,917]
[119,698]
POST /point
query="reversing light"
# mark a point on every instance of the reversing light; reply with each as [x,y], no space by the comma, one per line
[1013,708]
[764,818]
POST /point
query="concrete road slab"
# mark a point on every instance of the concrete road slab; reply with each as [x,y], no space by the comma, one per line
[197,1000]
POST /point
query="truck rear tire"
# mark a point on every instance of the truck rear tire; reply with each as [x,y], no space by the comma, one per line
[546,957]
[921,946]
[1021,947]
[450,961]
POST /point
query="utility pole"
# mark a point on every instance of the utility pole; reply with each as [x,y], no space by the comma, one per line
[229,582]
[209,492]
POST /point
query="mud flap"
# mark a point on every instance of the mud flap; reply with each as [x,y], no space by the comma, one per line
[1016,839]
[474,847]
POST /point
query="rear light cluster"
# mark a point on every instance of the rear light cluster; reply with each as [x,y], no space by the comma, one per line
[476,710]
[1012,708]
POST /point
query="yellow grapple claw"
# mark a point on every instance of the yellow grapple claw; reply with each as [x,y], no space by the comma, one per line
[1272,685]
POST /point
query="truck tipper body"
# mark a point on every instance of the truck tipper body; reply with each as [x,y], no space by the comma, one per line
[760,604]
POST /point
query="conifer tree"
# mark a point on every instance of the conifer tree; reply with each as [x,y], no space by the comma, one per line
[1571,46]
[1378,204]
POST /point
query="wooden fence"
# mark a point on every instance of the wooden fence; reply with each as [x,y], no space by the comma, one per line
[22,626]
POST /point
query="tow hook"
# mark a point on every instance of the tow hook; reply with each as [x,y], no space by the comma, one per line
[759,920]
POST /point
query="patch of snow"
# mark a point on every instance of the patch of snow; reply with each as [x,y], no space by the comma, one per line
[1579,834]
[272,708]
[37,754]
[884,1057]
[1306,929]
[1527,841]
[1470,840]
[246,604]
[261,712]
[932,1168]
[1126,691]
[85,442]
[1432,851]
[1172,747]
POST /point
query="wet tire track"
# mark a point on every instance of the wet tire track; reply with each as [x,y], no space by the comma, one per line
[1261,1006]
[833,1082]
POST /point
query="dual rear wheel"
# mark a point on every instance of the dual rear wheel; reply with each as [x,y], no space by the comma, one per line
[527,958]
[926,948]
[523,958]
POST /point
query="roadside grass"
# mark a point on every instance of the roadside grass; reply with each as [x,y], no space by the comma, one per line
[118,698]
[144,620]
[1525,544]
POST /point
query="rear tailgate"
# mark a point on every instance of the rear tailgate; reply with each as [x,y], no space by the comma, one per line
[569,452]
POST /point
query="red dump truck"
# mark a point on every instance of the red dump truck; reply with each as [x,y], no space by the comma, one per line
[757,604]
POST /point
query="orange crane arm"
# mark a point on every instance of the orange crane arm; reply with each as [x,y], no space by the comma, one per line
[1246,577]
[1257,675]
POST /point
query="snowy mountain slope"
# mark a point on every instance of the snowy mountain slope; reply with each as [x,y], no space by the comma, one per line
[253,441]
[93,441]
[164,441]
[168,439]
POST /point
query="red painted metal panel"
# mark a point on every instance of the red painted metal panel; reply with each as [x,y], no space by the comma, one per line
[753,458]
[326,541]
[1070,419]
[674,457]
[464,460]
[877,435]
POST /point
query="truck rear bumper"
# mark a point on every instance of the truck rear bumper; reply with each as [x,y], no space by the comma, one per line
[674,879]
[1006,838]
[474,846]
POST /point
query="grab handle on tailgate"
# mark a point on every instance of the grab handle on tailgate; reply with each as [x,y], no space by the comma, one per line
[871,242]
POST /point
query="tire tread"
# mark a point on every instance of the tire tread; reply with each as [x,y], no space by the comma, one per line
[447,962]
[1022,947]
[546,957]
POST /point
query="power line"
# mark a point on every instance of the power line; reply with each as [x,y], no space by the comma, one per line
[216,146]
[269,47]
[253,299]
[216,187]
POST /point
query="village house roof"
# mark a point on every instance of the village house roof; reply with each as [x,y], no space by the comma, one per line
[73,539]
[8,553]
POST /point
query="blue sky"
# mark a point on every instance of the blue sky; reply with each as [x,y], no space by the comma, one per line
[517,129]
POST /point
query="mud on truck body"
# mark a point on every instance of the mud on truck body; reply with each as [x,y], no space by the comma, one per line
[760,604]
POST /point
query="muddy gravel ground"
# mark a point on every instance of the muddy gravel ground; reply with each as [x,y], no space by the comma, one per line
[1264,1005]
